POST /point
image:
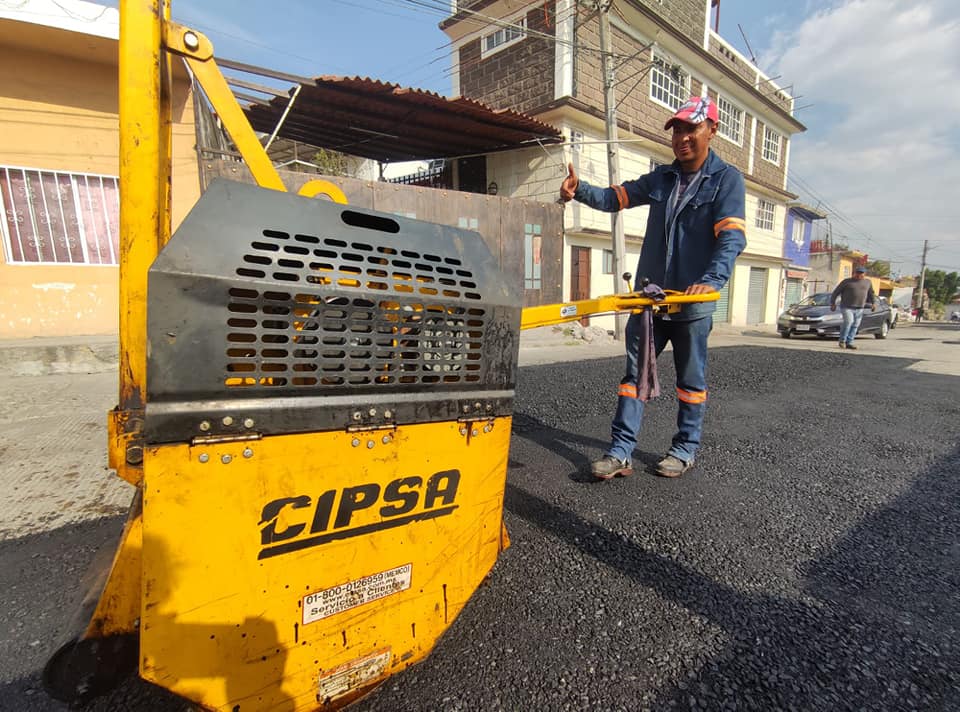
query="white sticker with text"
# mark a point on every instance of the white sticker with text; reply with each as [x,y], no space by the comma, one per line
[568,310]
[340,680]
[330,601]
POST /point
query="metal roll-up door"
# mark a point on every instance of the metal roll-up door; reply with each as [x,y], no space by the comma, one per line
[722,315]
[756,296]
[793,292]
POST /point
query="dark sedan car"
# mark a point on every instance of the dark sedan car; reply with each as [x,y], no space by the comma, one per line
[813,316]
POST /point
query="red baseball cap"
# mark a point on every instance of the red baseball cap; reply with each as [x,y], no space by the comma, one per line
[694,111]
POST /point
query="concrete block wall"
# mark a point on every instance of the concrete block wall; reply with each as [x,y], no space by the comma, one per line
[763,170]
[519,76]
[686,16]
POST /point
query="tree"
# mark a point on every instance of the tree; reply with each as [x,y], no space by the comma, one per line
[879,268]
[941,286]
[330,162]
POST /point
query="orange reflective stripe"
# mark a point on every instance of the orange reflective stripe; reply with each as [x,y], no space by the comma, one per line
[622,198]
[729,224]
[692,396]
[627,389]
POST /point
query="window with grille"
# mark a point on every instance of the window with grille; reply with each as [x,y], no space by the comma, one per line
[765,210]
[731,121]
[532,240]
[504,36]
[54,217]
[655,164]
[669,84]
[771,145]
[576,141]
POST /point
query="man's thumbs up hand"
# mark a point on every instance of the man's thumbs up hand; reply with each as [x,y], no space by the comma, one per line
[569,185]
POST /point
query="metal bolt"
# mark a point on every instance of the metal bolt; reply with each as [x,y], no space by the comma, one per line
[247,452]
[466,409]
[205,425]
[204,457]
[190,40]
[355,442]
[463,431]
[248,423]
[489,407]
[226,459]
[373,411]
[474,432]
[356,415]
[387,414]
[134,454]
[487,428]
[370,444]
[386,439]
[227,420]
[476,406]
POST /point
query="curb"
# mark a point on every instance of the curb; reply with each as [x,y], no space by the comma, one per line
[48,357]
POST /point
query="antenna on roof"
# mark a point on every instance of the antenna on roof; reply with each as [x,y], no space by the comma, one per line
[753,57]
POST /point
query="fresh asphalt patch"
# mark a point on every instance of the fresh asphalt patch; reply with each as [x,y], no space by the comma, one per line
[810,559]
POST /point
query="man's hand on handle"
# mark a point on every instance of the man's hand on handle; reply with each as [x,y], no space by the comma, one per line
[699,289]
[569,185]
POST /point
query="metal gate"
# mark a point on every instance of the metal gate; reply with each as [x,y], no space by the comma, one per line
[756,296]
[793,292]
[722,315]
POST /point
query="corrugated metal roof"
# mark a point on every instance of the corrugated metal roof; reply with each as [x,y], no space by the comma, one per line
[387,122]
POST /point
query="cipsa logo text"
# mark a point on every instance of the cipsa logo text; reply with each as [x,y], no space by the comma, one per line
[312,522]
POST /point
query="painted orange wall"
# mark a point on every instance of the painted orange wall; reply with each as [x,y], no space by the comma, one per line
[59,112]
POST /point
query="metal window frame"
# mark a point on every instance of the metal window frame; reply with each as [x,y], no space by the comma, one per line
[80,209]
[766,213]
[767,144]
[730,108]
[656,71]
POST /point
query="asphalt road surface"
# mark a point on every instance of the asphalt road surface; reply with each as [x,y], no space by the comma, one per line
[810,561]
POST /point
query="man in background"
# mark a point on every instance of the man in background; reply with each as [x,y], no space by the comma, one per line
[855,294]
[923,306]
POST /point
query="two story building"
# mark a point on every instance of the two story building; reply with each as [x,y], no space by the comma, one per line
[544,59]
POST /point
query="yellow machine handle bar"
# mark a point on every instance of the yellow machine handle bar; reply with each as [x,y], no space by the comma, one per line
[547,314]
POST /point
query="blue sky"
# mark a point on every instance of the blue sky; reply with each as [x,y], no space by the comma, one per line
[876,79]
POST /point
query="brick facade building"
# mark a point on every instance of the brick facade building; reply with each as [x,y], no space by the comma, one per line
[544,59]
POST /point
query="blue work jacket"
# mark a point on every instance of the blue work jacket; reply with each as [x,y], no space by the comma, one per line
[699,242]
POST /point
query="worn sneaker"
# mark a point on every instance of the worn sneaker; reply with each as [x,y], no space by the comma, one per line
[851,346]
[843,345]
[672,466]
[609,466]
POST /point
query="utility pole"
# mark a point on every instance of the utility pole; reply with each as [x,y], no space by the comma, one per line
[613,155]
[923,273]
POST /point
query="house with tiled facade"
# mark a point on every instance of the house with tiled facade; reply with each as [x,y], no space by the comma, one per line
[543,59]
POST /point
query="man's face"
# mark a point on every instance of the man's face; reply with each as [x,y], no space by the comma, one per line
[691,142]
[859,275]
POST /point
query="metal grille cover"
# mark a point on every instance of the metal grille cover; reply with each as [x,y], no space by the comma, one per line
[298,314]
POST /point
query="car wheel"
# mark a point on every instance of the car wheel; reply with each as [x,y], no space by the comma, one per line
[785,334]
[884,330]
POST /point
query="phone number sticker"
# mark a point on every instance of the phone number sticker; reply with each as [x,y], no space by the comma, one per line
[331,601]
